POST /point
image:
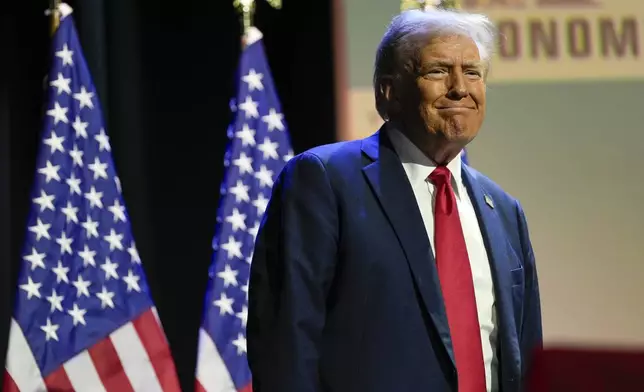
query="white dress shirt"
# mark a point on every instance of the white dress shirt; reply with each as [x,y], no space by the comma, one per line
[418,168]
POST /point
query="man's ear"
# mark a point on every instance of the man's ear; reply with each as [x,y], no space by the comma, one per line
[389,91]
[387,87]
[385,90]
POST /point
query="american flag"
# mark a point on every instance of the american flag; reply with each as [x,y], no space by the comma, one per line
[83,317]
[258,150]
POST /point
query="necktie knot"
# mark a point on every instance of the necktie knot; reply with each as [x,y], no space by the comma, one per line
[445,199]
[441,176]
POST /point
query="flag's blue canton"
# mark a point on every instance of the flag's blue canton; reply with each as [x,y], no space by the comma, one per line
[81,276]
[258,150]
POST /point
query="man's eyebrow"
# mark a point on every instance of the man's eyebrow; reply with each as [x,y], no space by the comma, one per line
[474,64]
[448,63]
[471,64]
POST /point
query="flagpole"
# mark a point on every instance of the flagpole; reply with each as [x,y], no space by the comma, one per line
[54,15]
[246,8]
[54,21]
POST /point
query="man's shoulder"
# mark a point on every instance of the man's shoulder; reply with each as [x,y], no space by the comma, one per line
[338,151]
[343,154]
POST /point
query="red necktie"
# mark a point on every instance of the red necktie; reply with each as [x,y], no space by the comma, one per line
[455,277]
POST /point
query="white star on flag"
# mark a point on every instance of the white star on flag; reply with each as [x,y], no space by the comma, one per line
[55,143]
[80,127]
[254,80]
[273,120]
[246,135]
[59,113]
[65,55]
[84,98]
[62,84]
[249,107]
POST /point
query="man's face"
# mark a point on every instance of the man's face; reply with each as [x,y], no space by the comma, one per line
[445,100]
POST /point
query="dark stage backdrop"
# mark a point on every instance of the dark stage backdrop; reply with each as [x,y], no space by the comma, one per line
[165,74]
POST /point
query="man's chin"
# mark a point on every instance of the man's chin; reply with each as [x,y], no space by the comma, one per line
[459,137]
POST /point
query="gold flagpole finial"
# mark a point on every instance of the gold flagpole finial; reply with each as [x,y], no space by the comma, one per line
[427,5]
[247,9]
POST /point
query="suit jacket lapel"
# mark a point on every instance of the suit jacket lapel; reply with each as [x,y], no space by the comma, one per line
[499,254]
[391,186]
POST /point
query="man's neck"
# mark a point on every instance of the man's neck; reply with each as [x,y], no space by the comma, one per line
[433,146]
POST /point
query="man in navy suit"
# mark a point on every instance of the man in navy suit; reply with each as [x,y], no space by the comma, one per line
[387,264]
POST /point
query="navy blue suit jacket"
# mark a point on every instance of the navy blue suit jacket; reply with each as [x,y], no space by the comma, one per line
[344,293]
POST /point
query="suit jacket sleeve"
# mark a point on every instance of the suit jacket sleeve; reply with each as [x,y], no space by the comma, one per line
[291,271]
[531,328]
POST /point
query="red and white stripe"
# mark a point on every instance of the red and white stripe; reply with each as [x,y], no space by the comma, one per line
[135,357]
[212,373]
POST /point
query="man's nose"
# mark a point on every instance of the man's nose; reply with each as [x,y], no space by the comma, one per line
[457,86]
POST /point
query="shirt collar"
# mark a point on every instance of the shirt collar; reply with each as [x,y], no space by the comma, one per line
[417,165]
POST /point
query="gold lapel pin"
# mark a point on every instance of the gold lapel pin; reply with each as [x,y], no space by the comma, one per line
[488,201]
